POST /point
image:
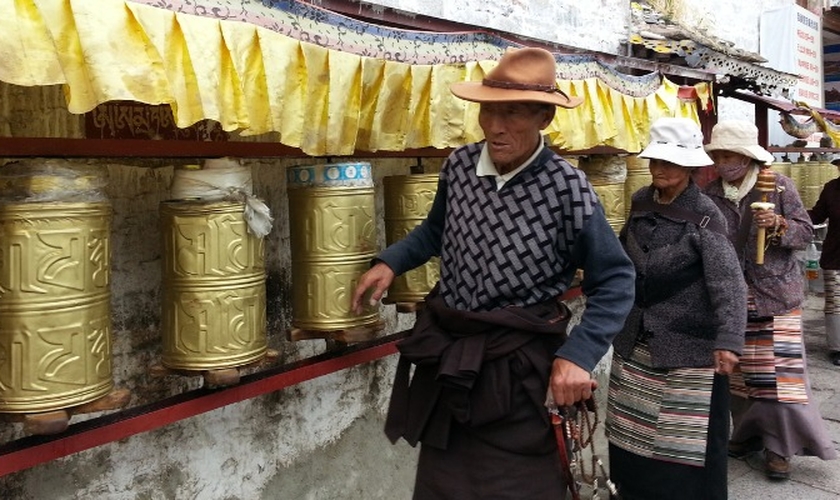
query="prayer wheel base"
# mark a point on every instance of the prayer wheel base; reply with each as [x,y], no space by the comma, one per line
[218,377]
[347,335]
[57,421]
[407,307]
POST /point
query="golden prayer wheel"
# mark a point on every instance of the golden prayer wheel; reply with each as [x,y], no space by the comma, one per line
[638,176]
[333,240]
[213,300]
[55,314]
[781,167]
[408,199]
[807,177]
[829,172]
[607,174]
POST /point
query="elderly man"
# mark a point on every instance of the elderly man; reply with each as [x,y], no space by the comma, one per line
[512,222]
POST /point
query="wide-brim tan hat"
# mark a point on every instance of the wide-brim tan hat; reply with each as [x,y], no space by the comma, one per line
[678,141]
[738,136]
[527,74]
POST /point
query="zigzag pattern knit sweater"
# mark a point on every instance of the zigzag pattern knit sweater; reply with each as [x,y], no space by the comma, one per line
[511,246]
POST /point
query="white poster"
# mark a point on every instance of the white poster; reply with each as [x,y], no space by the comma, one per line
[791,41]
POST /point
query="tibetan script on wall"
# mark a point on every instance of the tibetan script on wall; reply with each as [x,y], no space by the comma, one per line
[131,120]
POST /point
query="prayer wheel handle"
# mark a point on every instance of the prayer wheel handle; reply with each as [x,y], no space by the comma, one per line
[765,184]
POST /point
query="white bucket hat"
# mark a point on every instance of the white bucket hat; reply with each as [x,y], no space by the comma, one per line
[678,141]
[738,136]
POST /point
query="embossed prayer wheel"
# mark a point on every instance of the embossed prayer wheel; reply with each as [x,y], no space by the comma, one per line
[333,239]
[808,178]
[55,309]
[828,172]
[408,199]
[213,300]
[638,176]
[781,167]
[607,174]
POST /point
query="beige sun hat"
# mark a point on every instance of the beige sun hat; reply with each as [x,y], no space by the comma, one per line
[738,136]
[678,141]
[528,74]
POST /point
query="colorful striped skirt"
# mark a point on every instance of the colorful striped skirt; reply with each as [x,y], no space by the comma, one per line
[662,414]
[771,366]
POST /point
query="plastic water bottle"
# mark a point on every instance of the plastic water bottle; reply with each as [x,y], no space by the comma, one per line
[812,262]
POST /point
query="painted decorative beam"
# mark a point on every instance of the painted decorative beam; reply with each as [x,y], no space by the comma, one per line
[21,147]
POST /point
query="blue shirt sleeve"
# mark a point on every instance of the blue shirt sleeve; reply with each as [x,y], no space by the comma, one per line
[609,281]
[423,242]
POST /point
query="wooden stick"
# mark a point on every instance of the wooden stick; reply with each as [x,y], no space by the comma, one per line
[766,183]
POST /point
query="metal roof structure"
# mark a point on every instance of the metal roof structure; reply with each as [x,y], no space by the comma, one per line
[657,37]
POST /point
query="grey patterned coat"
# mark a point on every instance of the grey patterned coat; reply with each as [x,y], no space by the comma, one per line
[778,284]
[690,292]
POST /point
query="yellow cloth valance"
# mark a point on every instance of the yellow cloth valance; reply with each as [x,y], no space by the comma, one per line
[254,80]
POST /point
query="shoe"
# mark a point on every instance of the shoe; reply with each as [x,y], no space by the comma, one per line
[776,466]
[834,357]
[744,448]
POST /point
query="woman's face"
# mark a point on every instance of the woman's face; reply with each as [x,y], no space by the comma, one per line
[512,130]
[731,166]
[667,176]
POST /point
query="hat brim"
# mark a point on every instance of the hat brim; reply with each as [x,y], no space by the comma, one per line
[755,152]
[684,157]
[476,92]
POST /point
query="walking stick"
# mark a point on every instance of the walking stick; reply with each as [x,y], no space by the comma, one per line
[765,184]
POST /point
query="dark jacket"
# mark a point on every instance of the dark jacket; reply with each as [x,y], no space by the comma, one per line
[828,209]
[778,284]
[486,370]
[690,292]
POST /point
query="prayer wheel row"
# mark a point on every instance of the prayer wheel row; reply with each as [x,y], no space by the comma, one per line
[808,177]
[55,317]
[55,331]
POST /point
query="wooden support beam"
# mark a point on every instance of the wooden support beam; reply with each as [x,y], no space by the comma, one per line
[178,151]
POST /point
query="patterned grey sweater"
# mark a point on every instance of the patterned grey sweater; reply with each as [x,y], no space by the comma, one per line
[522,244]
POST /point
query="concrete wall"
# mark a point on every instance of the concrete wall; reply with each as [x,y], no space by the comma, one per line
[567,22]
[584,25]
[318,440]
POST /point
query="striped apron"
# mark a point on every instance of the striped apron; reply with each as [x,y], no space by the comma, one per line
[771,366]
[657,413]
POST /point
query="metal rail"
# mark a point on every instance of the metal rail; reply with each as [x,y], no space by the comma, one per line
[30,451]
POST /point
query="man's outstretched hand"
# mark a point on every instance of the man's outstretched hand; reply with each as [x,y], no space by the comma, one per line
[378,277]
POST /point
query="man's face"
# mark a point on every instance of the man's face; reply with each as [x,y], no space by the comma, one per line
[512,130]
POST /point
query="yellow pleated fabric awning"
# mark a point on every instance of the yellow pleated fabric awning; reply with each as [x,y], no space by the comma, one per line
[324,98]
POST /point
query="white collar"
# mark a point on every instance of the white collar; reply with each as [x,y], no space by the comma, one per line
[486,168]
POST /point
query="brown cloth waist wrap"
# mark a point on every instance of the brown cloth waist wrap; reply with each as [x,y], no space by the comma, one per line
[487,371]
